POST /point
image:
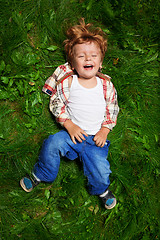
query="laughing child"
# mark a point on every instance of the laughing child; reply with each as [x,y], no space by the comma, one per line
[84,102]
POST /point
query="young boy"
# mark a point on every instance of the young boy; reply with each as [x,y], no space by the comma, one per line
[84,102]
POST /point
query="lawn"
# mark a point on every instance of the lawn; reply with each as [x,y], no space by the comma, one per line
[31,45]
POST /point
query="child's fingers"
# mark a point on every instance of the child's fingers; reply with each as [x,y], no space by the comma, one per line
[73,139]
[77,137]
[99,142]
[82,137]
[96,138]
[102,145]
[84,134]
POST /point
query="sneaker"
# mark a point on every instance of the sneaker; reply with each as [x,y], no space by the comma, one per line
[28,183]
[108,199]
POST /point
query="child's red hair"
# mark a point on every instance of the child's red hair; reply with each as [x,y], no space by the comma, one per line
[83,33]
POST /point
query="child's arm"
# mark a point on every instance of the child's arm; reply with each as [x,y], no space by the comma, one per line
[101,136]
[75,132]
[51,82]
[59,92]
[111,114]
[112,108]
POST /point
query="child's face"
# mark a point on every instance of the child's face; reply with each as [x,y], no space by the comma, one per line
[87,59]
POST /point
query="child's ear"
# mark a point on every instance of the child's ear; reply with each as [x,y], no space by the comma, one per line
[71,65]
[100,67]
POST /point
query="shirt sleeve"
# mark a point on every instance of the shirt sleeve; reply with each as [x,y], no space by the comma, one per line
[58,102]
[59,99]
[112,108]
[58,108]
[50,84]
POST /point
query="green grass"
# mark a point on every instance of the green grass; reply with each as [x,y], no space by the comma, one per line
[32,34]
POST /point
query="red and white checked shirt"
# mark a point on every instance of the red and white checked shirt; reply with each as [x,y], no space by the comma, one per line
[57,86]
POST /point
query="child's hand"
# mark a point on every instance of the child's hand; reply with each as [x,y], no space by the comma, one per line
[101,136]
[74,131]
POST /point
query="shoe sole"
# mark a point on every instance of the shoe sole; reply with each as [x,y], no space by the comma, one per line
[112,205]
[23,186]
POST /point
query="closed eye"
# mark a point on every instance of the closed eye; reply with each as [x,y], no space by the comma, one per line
[80,56]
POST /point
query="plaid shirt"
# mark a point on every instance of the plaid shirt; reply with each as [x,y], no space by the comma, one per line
[57,86]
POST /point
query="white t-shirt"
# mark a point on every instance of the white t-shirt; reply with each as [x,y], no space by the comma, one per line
[86,106]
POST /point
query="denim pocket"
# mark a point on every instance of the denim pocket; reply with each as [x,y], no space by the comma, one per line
[107,143]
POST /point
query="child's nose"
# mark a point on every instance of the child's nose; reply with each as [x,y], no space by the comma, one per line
[88,57]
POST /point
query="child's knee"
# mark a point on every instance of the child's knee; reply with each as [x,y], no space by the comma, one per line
[56,140]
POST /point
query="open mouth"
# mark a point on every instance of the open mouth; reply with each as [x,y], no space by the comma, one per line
[88,66]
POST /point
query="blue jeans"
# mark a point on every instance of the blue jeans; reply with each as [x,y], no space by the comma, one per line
[94,159]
